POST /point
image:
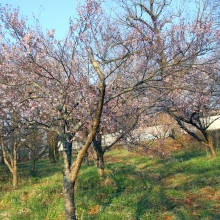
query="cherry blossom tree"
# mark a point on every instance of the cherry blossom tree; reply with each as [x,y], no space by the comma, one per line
[14,135]
[60,86]
[116,125]
[194,110]
[36,146]
[179,50]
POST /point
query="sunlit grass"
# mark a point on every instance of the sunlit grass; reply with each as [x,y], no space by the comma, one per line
[135,187]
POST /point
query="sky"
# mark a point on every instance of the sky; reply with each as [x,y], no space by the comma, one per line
[51,13]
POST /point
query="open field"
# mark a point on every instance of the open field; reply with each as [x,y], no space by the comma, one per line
[185,186]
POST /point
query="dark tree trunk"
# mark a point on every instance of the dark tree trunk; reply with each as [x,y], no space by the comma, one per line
[52,142]
[68,184]
[100,164]
[56,150]
[97,145]
[51,153]
[68,148]
[2,157]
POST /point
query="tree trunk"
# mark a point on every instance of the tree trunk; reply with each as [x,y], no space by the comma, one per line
[51,154]
[97,146]
[99,159]
[68,192]
[211,148]
[56,151]
[15,177]
[2,160]
[18,156]
[68,187]
[100,164]
[14,166]
[209,143]
[51,142]
[2,157]
[86,159]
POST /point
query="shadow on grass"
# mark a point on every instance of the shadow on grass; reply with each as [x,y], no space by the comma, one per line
[153,201]
[43,168]
[138,188]
[188,155]
[185,186]
[25,173]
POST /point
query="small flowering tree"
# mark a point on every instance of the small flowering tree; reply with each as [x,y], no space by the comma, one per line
[14,135]
[116,125]
[194,115]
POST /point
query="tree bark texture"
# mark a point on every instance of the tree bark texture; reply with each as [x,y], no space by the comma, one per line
[2,157]
[68,191]
[211,147]
[100,164]
[51,149]
[97,145]
[14,177]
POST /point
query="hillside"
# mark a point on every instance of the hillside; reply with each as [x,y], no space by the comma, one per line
[185,186]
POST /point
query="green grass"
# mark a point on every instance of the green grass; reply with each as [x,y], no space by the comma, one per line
[135,187]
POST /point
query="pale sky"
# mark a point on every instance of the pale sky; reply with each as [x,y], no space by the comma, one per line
[51,13]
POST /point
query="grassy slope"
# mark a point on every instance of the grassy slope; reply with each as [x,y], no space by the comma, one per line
[135,187]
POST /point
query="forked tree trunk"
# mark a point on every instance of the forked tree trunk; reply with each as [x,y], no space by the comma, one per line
[12,165]
[70,175]
[69,178]
[71,172]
